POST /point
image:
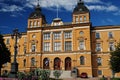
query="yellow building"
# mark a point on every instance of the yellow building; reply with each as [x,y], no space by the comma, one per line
[63,46]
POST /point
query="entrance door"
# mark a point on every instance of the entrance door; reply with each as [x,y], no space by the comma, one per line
[46,63]
[57,63]
[68,63]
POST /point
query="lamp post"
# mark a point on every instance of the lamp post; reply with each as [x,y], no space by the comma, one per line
[14,65]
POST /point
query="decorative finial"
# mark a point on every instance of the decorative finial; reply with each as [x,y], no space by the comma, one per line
[38,3]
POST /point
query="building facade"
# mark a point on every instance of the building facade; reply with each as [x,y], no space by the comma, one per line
[63,46]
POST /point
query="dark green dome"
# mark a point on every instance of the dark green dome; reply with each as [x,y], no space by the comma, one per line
[80,8]
[37,13]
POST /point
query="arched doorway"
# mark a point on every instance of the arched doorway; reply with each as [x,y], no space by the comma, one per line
[68,63]
[57,63]
[46,63]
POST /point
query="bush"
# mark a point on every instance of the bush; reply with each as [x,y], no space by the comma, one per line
[116,79]
[57,73]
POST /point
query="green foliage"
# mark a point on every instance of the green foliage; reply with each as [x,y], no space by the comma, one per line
[115,59]
[21,75]
[4,53]
[42,74]
[116,79]
[45,74]
[57,73]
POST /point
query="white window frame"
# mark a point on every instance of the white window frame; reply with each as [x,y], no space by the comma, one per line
[46,46]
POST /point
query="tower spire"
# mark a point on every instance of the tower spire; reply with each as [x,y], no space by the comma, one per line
[38,3]
[57,11]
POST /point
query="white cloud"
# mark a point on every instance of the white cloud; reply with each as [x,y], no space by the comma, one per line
[93,1]
[103,8]
[11,8]
[98,5]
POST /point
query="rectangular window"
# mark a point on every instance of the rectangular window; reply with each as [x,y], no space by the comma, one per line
[68,35]
[8,41]
[111,46]
[98,47]
[99,72]
[76,19]
[80,19]
[85,18]
[46,46]
[81,45]
[33,47]
[46,36]
[97,35]
[57,35]
[57,46]
[99,61]
[68,45]
[24,49]
[110,34]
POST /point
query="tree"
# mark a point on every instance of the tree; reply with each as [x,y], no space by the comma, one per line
[4,53]
[115,60]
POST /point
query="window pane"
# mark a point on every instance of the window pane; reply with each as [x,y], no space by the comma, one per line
[46,46]
[57,46]
[97,35]
[68,46]
[80,19]
[81,45]
[99,61]
[33,47]
[110,35]
[68,35]
[8,41]
[98,47]
[57,35]
[46,36]
[32,61]
[82,60]
[111,46]
[99,72]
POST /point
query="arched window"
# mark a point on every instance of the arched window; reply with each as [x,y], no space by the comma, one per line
[38,23]
[46,63]
[31,23]
[24,62]
[82,60]
[33,47]
[85,18]
[81,45]
[32,61]
[35,23]
[99,61]
[81,33]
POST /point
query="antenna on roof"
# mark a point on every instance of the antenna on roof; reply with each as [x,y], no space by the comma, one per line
[57,10]
[38,2]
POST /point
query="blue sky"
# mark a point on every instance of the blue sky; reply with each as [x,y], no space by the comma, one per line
[14,13]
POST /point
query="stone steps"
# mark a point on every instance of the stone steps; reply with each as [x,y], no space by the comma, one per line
[64,74]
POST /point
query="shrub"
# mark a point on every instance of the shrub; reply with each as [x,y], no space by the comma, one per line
[57,73]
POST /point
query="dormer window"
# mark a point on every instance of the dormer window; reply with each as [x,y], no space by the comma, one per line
[38,23]
[76,19]
[85,18]
[57,22]
[31,23]
[35,24]
[80,19]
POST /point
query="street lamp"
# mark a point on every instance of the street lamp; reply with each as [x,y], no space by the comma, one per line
[14,65]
